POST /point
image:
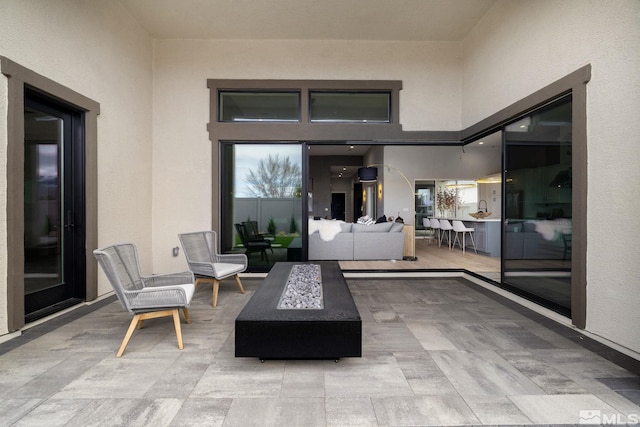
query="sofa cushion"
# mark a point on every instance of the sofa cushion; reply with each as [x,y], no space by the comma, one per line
[345,227]
[396,227]
[382,227]
[370,246]
[340,248]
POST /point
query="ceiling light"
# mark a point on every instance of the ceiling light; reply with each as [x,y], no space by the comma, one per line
[496,178]
[460,184]
[368,174]
[521,125]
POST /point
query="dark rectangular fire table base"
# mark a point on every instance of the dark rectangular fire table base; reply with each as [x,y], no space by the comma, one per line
[266,332]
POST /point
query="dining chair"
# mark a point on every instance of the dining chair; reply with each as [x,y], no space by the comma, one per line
[145,297]
[200,250]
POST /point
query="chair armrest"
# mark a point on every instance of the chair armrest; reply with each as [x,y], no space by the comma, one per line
[234,259]
[165,297]
[202,268]
[168,279]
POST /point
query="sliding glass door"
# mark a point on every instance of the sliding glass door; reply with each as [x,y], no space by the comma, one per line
[538,207]
[262,199]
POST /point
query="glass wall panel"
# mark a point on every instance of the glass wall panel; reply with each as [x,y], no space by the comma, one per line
[350,107]
[240,106]
[264,203]
[538,210]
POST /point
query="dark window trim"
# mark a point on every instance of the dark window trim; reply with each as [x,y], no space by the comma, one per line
[17,77]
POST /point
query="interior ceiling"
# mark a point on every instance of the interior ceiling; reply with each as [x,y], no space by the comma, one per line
[340,171]
[410,20]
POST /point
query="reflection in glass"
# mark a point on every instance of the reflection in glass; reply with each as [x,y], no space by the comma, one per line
[538,207]
[242,106]
[358,107]
[42,202]
[264,206]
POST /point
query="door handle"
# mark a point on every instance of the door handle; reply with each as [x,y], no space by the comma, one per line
[69,223]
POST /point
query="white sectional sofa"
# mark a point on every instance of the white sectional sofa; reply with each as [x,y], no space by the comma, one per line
[346,241]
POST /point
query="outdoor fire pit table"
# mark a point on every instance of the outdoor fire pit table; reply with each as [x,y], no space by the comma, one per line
[302,310]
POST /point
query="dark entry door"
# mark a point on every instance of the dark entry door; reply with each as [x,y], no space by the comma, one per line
[338,206]
[54,215]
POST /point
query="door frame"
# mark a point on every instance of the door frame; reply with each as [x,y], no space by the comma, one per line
[17,77]
[70,289]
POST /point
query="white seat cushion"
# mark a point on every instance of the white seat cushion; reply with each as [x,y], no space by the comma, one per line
[189,289]
[224,269]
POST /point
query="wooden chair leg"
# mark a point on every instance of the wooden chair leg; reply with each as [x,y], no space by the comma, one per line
[200,279]
[187,316]
[139,318]
[127,337]
[176,323]
[239,283]
[216,287]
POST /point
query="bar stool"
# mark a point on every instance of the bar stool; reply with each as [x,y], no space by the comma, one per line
[435,226]
[445,225]
[427,226]
[459,227]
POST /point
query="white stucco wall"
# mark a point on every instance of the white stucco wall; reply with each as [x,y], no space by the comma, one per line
[98,50]
[430,99]
[520,47]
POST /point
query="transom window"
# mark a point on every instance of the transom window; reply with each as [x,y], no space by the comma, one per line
[309,103]
[350,107]
[241,106]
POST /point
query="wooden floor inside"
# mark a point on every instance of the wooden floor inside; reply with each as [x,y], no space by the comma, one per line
[432,256]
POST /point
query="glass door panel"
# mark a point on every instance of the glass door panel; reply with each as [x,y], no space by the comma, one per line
[263,203]
[42,209]
[537,206]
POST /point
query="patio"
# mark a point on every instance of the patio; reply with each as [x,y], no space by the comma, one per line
[436,351]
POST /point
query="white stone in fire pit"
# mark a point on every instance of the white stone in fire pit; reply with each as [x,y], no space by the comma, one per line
[303,289]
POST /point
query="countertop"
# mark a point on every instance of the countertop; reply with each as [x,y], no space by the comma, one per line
[471,219]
